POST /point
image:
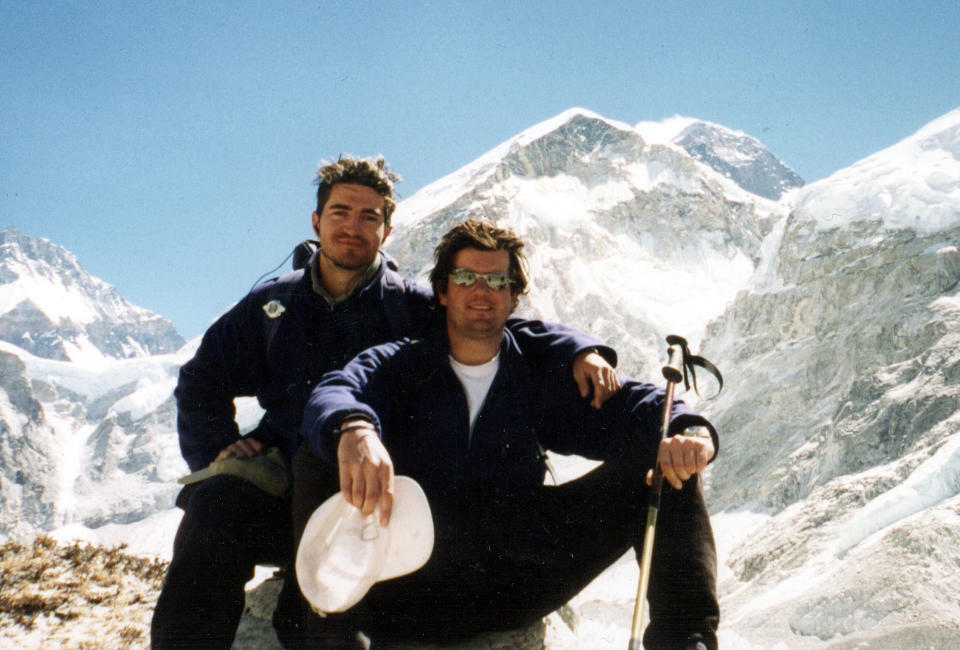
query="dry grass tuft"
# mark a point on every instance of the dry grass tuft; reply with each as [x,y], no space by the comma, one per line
[77,595]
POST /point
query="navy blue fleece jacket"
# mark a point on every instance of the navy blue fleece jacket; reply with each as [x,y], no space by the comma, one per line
[409,390]
[279,355]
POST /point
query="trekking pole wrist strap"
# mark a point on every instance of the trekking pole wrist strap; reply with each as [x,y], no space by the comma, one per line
[691,362]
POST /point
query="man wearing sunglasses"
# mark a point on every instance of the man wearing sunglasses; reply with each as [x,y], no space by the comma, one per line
[467,413]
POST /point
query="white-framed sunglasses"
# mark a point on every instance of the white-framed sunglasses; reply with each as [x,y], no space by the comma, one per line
[467,278]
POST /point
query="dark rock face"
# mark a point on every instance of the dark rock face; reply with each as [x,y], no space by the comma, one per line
[739,157]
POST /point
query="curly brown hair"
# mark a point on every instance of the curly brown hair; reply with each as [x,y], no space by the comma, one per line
[370,172]
[485,236]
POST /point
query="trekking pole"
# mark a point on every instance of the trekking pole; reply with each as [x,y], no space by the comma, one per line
[673,373]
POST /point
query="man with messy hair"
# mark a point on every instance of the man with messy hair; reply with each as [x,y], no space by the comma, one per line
[466,413]
[275,344]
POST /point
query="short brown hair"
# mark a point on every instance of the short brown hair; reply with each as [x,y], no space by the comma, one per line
[484,236]
[370,172]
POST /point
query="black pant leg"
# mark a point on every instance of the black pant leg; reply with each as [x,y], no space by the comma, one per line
[613,501]
[515,556]
[684,606]
[228,527]
[507,557]
[296,624]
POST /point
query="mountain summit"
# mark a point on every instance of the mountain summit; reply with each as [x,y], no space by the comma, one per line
[739,157]
[733,154]
[628,239]
[51,307]
[86,411]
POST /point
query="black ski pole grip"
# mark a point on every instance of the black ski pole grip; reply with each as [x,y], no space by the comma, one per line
[673,371]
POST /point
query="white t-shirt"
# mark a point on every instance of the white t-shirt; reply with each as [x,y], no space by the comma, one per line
[476,382]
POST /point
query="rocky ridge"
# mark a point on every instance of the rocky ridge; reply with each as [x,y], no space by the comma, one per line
[85,597]
[842,420]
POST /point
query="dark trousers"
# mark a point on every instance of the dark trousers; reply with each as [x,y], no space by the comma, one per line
[228,527]
[506,558]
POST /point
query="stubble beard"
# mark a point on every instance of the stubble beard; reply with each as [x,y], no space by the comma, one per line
[346,266]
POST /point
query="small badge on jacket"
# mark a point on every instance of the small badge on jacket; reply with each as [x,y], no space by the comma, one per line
[274,309]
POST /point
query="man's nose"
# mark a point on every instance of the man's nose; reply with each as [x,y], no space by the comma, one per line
[352,223]
[481,282]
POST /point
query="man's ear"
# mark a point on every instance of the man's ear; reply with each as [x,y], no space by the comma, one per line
[315,222]
[442,298]
[386,231]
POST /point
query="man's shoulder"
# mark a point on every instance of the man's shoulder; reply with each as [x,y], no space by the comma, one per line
[405,349]
[283,282]
[392,280]
[396,362]
[278,294]
[409,306]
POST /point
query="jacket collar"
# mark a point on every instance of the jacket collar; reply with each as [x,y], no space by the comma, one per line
[511,356]
[370,276]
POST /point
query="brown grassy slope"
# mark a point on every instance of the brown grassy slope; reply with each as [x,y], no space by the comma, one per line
[86,597]
[75,596]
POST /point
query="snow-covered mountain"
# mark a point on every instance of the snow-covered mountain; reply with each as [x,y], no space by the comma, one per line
[52,308]
[627,239]
[739,157]
[89,445]
[833,311]
[842,417]
[86,413]
[733,154]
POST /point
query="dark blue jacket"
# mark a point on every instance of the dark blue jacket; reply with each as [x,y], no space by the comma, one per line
[280,360]
[410,391]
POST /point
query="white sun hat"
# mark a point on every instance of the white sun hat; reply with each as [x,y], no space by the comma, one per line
[342,553]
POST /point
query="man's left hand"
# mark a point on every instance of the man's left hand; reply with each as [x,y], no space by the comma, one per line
[680,457]
[591,369]
[243,448]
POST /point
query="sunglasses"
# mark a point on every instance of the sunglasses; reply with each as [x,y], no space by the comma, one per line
[467,278]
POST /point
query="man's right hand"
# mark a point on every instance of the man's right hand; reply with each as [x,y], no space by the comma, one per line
[682,456]
[591,370]
[242,448]
[366,470]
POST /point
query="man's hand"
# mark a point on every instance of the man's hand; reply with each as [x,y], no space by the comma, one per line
[680,457]
[366,470]
[591,369]
[242,448]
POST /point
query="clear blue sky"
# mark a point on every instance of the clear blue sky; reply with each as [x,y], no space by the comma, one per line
[171,145]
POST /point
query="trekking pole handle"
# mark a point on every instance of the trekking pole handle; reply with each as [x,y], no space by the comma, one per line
[673,371]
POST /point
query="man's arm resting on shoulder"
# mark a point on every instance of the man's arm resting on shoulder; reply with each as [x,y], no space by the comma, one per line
[553,344]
